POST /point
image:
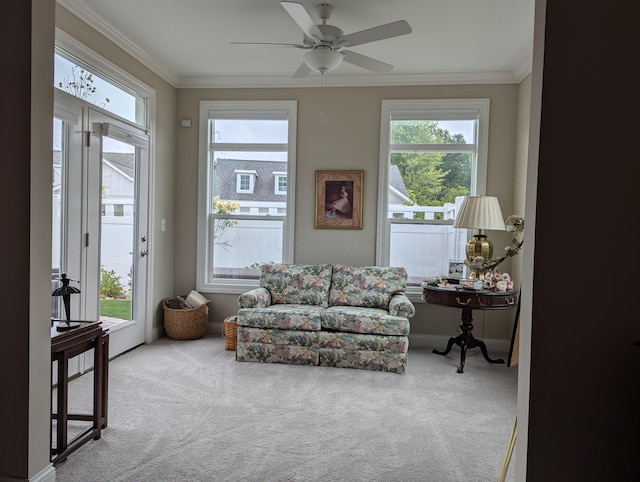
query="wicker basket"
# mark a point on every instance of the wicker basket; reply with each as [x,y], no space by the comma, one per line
[189,324]
[230,332]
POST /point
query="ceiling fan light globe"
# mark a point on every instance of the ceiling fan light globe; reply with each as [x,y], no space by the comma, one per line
[322,60]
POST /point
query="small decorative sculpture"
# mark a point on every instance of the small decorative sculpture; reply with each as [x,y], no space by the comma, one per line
[66,291]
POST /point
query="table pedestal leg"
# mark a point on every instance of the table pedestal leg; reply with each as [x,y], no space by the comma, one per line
[466,340]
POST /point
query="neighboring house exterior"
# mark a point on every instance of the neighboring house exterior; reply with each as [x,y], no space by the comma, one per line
[397,189]
[251,181]
[266,182]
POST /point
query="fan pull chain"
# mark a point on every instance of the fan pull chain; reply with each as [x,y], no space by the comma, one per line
[323,101]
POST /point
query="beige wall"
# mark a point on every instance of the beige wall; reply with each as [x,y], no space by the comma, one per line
[350,139]
[163,155]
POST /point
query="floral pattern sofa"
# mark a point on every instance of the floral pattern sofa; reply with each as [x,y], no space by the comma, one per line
[327,315]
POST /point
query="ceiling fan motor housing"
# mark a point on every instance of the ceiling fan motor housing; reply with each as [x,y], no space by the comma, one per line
[330,33]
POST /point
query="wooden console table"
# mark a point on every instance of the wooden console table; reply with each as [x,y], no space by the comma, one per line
[64,346]
[469,300]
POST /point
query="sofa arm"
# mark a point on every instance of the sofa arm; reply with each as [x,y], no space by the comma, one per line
[401,305]
[256,298]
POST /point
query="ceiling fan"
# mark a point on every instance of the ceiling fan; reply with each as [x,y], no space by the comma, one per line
[324,41]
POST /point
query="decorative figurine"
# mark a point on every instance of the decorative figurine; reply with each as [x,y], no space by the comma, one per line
[66,291]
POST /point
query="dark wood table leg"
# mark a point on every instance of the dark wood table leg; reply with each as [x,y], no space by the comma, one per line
[466,340]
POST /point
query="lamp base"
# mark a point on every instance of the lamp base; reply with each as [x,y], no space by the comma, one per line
[479,246]
[67,325]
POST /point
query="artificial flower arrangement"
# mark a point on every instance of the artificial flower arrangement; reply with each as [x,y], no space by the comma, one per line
[483,271]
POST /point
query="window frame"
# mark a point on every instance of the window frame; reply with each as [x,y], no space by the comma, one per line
[426,109]
[255,109]
[240,175]
[276,187]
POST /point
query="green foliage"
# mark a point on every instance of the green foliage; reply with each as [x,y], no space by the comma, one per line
[110,286]
[80,84]
[431,179]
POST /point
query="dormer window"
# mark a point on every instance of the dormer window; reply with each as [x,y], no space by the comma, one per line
[245,181]
[280,182]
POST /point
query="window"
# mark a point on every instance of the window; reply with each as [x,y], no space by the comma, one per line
[245,181]
[280,182]
[84,74]
[242,220]
[433,153]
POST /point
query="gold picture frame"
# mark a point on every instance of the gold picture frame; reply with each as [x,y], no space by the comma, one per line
[339,199]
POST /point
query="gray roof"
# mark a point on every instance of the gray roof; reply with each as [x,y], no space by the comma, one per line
[224,184]
[396,181]
[123,161]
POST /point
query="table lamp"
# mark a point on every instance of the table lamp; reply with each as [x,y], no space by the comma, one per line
[66,291]
[482,213]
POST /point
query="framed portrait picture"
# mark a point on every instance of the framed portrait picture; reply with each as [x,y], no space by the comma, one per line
[339,199]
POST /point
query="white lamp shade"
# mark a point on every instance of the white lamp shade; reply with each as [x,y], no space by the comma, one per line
[322,60]
[480,212]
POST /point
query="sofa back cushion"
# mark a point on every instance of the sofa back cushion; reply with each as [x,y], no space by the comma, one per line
[302,284]
[368,286]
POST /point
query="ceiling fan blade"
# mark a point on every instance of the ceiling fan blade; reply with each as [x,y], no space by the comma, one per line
[303,19]
[381,32]
[277,44]
[302,71]
[365,62]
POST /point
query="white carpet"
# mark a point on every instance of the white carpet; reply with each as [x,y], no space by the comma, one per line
[187,411]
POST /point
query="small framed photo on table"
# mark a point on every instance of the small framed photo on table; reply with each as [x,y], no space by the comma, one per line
[456,269]
[339,199]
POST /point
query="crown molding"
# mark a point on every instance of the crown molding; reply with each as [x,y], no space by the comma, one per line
[314,80]
[98,23]
[524,69]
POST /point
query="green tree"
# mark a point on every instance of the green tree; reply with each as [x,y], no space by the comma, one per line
[432,179]
[110,286]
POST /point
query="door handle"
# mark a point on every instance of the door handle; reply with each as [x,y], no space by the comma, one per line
[144,253]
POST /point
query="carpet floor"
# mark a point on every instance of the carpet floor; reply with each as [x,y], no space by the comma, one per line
[187,411]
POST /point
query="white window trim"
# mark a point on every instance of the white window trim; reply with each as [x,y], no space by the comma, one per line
[441,109]
[238,286]
[277,175]
[252,180]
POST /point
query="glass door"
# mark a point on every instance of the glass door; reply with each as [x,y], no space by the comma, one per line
[116,236]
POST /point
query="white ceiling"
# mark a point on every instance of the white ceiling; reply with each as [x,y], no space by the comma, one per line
[187,42]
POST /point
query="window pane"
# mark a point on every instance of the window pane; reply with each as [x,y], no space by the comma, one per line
[430,179]
[241,245]
[425,249]
[57,196]
[249,183]
[86,85]
[250,131]
[432,132]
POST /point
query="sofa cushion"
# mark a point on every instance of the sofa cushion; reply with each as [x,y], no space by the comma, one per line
[355,319]
[368,286]
[288,317]
[304,284]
